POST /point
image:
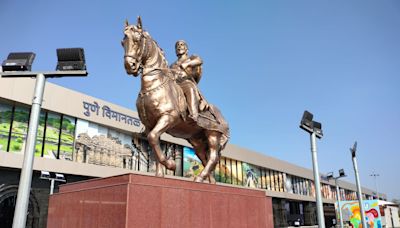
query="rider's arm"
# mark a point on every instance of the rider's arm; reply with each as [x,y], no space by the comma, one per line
[192,62]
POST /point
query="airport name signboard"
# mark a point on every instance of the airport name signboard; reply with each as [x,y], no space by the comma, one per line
[107,112]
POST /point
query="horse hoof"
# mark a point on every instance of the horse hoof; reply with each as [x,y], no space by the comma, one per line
[212,180]
[198,179]
[171,165]
[159,174]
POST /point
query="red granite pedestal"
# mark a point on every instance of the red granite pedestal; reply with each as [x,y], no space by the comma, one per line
[133,200]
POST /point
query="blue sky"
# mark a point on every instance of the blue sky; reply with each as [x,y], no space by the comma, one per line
[265,62]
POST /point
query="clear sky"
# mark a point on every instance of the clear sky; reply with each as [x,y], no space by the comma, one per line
[265,62]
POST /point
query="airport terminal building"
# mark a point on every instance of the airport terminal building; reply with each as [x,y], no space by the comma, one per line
[85,137]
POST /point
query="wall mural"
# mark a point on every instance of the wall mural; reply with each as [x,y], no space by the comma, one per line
[251,175]
[191,163]
[351,213]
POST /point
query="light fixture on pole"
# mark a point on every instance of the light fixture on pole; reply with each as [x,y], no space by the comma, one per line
[315,130]
[19,65]
[18,61]
[52,177]
[331,176]
[359,193]
[375,175]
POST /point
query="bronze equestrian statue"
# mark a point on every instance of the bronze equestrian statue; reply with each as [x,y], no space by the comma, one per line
[162,104]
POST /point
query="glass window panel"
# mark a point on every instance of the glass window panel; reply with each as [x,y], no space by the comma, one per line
[251,175]
[5,124]
[289,187]
[67,138]
[284,182]
[222,169]
[234,172]
[240,173]
[40,134]
[276,180]
[263,184]
[217,172]
[19,129]
[52,135]
[257,171]
[272,178]
[268,179]
[280,182]
[228,172]
[191,163]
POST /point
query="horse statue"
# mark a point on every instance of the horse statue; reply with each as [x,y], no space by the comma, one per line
[162,106]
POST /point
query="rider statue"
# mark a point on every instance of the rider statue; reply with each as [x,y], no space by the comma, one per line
[188,74]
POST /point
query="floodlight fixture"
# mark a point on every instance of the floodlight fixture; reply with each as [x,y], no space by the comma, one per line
[60,177]
[44,175]
[353,149]
[342,173]
[18,61]
[317,127]
[306,122]
[70,59]
[311,126]
[329,175]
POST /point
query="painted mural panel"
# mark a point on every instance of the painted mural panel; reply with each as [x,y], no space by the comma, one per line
[240,172]
[251,175]
[5,124]
[67,138]
[351,213]
[96,144]
[19,129]
[288,184]
[191,163]
[52,135]
[228,171]
[234,172]
[268,179]
[217,171]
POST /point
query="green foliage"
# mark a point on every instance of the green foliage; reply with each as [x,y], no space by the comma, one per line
[18,140]
[16,147]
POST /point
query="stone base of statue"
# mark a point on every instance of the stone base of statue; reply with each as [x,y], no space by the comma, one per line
[133,200]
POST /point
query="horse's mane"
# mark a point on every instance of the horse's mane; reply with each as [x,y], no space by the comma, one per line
[160,50]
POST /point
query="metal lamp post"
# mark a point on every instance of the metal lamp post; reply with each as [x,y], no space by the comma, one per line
[375,175]
[341,174]
[315,130]
[359,193]
[19,65]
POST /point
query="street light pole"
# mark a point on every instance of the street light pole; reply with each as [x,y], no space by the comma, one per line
[24,188]
[359,193]
[315,130]
[375,175]
[320,208]
[339,202]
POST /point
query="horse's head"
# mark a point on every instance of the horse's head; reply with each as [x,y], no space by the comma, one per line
[133,43]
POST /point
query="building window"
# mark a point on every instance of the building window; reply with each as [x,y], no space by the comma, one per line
[67,138]
[5,125]
[19,129]
[53,125]
[228,171]
[40,134]
[240,172]
[234,172]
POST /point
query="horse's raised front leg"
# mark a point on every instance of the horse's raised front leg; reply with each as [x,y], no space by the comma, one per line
[153,137]
[213,156]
